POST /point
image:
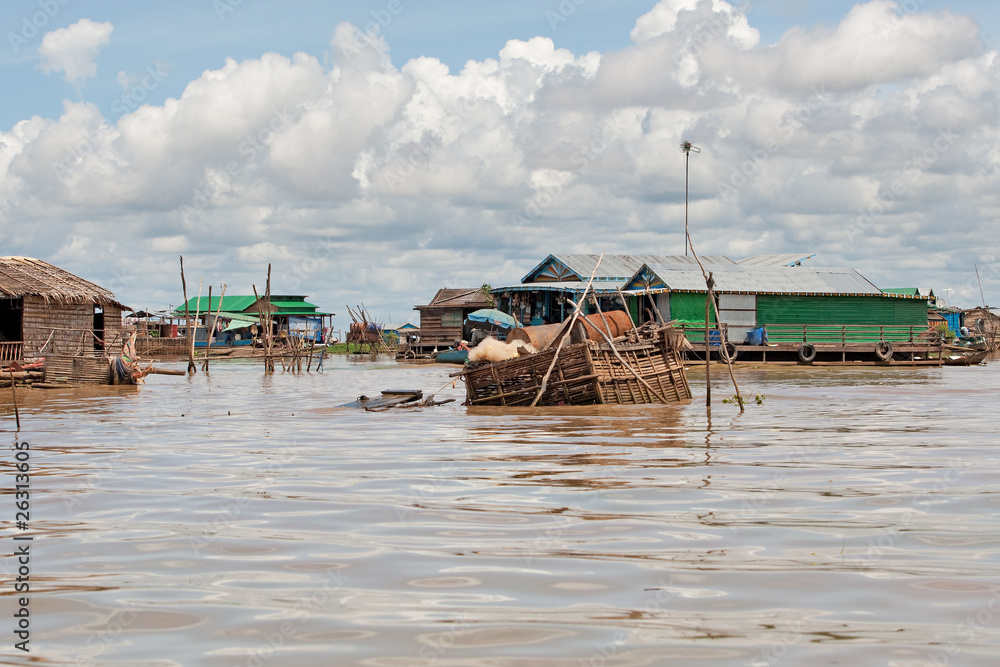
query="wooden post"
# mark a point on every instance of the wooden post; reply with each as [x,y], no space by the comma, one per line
[708,351]
[187,318]
[13,393]
[265,333]
[197,313]
[215,322]
[208,333]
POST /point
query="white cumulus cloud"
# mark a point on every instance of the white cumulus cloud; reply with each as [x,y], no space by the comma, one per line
[73,50]
[872,141]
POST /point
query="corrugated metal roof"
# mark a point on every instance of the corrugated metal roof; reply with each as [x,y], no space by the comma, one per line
[568,286]
[910,291]
[622,267]
[795,259]
[457,298]
[233,304]
[772,280]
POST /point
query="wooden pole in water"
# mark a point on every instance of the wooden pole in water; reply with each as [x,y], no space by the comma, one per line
[208,333]
[215,322]
[13,393]
[187,319]
[197,314]
[708,351]
[265,332]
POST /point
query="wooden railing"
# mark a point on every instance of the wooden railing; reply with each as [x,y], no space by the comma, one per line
[11,351]
[695,333]
[842,334]
[850,334]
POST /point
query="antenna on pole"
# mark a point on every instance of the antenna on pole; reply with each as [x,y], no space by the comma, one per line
[687,148]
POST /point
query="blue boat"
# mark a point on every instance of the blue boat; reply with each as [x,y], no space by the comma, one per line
[452,356]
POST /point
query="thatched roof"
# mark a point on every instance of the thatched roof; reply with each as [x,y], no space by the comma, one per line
[25,276]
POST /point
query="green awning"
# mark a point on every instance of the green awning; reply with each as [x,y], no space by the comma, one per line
[239,320]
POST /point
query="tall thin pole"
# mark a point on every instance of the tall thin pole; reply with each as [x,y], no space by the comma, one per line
[980,285]
[687,236]
[687,148]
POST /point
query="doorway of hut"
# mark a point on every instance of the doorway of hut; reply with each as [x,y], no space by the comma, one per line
[11,315]
[98,328]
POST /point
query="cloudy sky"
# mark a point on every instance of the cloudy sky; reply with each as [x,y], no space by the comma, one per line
[376,151]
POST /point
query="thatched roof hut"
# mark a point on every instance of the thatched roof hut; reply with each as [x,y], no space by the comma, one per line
[46,310]
[26,276]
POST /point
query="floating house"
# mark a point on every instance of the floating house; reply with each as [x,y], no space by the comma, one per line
[758,295]
[47,311]
[239,318]
[541,298]
[442,320]
[764,299]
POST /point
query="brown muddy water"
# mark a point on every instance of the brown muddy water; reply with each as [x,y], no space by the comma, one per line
[234,519]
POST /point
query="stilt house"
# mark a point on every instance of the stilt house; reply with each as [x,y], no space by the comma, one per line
[46,310]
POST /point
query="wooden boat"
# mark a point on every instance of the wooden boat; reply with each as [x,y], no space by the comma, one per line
[642,367]
[451,356]
[965,356]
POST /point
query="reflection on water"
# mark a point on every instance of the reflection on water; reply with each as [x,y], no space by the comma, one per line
[236,519]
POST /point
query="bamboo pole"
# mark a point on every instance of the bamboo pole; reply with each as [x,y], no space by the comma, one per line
[197,314]
[13,393]
[208,333]
[215,322]
[631,321]
[265,332]
[566,334]
[270,323]
[708,348]
[710,284]
[187,318]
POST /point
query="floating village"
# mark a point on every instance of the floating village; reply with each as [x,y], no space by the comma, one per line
[578,329]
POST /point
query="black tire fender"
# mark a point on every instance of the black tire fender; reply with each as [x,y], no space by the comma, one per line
[729,351]
[883,351]
[807,352]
